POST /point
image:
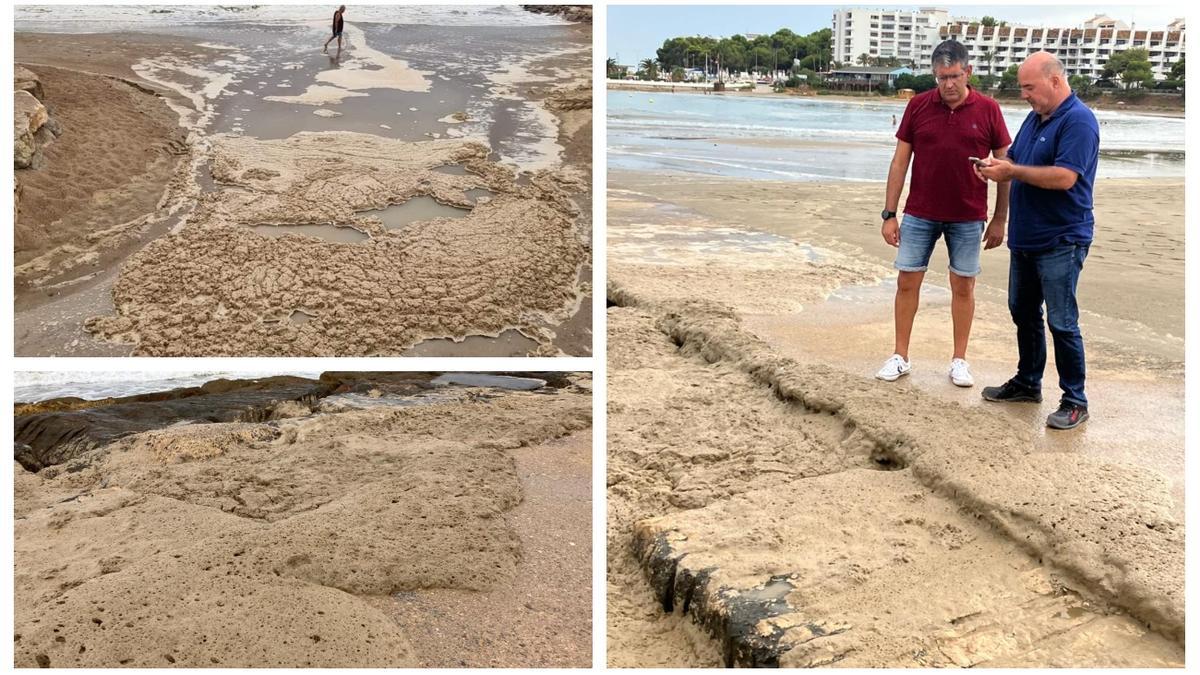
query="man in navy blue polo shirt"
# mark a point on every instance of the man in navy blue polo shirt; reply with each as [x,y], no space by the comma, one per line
[1052,173]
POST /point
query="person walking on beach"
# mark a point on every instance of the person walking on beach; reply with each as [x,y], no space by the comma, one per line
[939,131]
[1052,173]
[337,29]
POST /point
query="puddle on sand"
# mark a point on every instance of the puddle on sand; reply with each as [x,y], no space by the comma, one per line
[343,235]
[485,380]
[452,169]
[509,343]
[475,193]
[300,316]
[415,210]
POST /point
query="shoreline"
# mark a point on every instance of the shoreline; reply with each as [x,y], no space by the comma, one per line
[665,87]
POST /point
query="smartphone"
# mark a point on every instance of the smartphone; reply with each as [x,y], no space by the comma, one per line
[977,161]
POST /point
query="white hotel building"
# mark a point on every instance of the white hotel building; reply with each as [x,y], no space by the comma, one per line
[1083,50]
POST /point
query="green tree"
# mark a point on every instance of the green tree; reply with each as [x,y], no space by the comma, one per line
[1177,70]
[1008,79]
[988,22]
[988,57]
[1131,66]
[863,59]
[1081,85]
[611,69]
[648,69]
[677,74]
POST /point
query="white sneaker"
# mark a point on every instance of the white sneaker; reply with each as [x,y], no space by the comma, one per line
[894,368]
[960,373]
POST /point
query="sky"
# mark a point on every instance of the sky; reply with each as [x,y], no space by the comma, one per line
[635,32]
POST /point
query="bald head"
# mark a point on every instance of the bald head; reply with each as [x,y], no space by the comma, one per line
[1044,63]
[1043,82]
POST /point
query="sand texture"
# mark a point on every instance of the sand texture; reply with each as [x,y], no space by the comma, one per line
[263,544]
[511,278]
[771,504]
[511,263]
[818,564]
[117,149]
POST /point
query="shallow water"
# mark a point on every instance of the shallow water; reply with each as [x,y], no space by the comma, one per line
[810,139]
[34,386]
[485,380]
[415,210]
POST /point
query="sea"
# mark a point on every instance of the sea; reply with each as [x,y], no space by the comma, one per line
[816,139]
[32,387]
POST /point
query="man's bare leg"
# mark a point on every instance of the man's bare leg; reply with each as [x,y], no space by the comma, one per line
[908,298]
[962,310]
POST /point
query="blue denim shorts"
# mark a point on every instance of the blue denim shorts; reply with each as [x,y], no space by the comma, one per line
[918,236]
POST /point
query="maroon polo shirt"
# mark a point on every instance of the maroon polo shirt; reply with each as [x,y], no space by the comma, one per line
[944,186]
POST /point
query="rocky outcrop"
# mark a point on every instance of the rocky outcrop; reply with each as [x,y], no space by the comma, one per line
[50,438]
[29,116]
[32,126]
[573,13]
[28,81]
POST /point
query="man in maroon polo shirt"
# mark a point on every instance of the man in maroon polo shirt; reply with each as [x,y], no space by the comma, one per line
[941,129]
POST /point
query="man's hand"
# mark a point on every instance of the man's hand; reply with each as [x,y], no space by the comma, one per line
[891,232]
[999,170]
[993,236]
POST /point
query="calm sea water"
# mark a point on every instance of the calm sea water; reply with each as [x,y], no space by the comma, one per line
[732,136]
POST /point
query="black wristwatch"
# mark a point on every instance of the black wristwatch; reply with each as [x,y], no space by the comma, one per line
[887,214]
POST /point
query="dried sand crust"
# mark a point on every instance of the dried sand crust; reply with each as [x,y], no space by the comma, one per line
[253,554]
[218,288]
[1045,557]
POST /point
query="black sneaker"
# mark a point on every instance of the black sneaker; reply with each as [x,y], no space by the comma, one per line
[1011,392]
[1068,416]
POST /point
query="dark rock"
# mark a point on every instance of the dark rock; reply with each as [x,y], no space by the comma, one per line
[45,439]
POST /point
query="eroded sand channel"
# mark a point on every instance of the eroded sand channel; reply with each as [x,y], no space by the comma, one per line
[811,522]
[275,538]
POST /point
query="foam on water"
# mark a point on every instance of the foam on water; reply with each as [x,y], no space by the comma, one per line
[106,18]
[31,387]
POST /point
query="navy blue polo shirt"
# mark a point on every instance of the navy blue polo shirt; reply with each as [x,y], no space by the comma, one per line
[1038,218]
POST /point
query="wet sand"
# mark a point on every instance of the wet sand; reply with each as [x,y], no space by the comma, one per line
[724,287]
[285,542]
[542,618]
[210,104]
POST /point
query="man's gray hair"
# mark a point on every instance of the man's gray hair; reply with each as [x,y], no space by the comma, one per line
[949,53]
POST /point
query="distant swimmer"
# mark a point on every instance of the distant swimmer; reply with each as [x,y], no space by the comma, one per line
[893,120]
[337,29]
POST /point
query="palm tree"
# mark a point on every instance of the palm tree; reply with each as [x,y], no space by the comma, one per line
[650,68]
[988,57]
[611,69]
[863,59]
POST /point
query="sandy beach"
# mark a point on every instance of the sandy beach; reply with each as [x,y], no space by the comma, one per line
[380,200]
[770,503]
[358,520]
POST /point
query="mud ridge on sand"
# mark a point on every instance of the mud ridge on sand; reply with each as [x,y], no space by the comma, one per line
[913,488]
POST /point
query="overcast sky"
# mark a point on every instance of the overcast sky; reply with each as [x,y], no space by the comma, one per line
[636,32]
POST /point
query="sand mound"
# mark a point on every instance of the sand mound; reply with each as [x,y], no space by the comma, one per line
[510,263]
[205,441]
[1103,531]
[253,555]
[117,152]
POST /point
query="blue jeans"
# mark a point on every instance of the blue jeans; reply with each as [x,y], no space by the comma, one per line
[918,236]
[1048,277]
